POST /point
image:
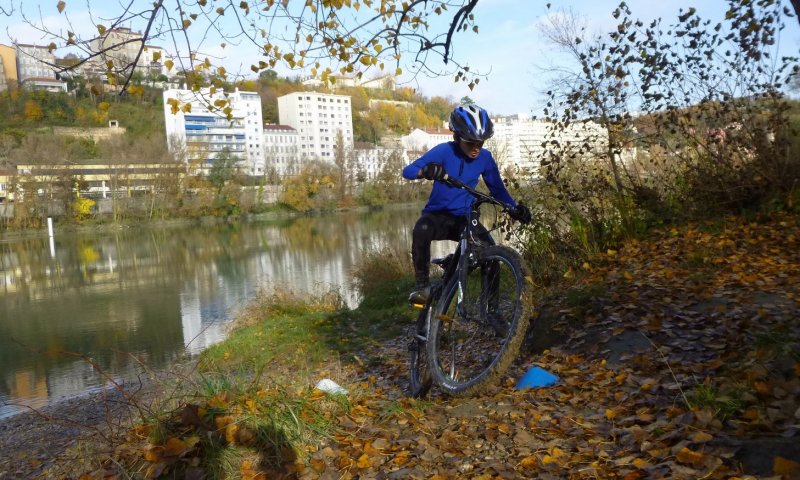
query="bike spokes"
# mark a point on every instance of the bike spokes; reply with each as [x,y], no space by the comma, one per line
[477,318]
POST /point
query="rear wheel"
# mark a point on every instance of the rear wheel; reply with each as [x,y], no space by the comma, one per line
[477,327]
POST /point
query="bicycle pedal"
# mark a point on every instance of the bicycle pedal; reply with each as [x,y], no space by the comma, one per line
[417,305]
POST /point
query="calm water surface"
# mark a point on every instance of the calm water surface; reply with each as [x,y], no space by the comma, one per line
[152,295]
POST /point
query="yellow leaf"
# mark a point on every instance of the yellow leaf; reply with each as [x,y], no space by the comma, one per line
[364,461]
[169,64]
[230,433]
[611,253]
[610,414]
[174,447]
[528,462]
[222,421]
[702,437]
[153,453]
[641,463]
[61,6]
[686,455]
[785,467]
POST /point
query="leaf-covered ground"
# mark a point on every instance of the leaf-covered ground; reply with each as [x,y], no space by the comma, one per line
[678,357]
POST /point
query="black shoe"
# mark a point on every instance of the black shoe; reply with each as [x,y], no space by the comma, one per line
[420,295]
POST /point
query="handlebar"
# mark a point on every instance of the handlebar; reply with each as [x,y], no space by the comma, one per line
[482,197]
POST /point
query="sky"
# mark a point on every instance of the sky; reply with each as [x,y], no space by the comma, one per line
[509,47]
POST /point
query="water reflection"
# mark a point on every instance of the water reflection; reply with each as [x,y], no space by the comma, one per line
[146,296]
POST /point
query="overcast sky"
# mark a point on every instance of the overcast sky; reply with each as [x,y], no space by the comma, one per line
[509,45]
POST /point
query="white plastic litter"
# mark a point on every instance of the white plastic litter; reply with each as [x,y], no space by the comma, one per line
[329,386]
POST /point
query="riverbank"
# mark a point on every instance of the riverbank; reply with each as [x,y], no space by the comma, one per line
[678,357]
[104,227]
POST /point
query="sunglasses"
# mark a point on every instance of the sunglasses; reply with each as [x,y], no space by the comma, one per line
[472,145]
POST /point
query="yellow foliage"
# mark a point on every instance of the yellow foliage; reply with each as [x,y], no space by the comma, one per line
[33,111]
[82,208]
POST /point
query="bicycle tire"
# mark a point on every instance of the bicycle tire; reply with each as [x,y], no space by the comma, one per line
[421,380]
[473,342]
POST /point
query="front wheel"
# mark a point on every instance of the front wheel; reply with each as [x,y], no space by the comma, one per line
[478,325]
[420,381]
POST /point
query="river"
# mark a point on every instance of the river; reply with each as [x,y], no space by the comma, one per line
[151,295]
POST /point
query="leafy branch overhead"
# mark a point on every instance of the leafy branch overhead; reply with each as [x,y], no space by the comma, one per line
[324,37]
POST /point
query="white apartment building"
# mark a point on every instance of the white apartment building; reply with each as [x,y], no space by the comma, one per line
[35,70]
[204,131]
[388,82]
[121,46]
[521,142]
[281,149]
[32,62]
[370,159]
[421,140]
[318,117]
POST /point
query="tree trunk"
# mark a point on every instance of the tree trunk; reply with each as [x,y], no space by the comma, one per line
[796,5]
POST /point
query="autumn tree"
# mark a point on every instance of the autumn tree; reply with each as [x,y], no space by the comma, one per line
[327,38]
[342,159]
[313,188]
[712,129]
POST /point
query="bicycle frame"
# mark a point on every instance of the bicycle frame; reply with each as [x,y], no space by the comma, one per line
[456,289]
[461,256]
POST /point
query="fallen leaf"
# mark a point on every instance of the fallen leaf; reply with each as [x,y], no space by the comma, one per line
[702,437]
[785,467]
[688,456]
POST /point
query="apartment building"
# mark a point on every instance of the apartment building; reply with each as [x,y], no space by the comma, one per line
[35,68]
[318,118]
[203,131]
[281,149]
[420,140]
[521,142]
[370,159]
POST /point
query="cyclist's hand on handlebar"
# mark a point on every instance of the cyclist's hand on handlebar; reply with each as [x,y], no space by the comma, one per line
[521,213]
[433,171]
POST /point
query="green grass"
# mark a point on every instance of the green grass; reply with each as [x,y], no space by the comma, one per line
[723,403]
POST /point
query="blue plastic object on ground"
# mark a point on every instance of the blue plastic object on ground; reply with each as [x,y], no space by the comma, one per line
[536,377]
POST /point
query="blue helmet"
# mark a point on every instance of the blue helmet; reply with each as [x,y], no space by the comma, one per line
[471,123]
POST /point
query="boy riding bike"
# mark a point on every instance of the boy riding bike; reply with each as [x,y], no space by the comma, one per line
[446,212]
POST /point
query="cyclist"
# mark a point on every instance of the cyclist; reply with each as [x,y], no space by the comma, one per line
[445,214]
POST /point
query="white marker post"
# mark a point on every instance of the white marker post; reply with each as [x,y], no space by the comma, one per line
[50,233]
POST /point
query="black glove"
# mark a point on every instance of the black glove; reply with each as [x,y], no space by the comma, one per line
[521,214]
[433,171]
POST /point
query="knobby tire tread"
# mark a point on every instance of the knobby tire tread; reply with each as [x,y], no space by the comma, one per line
[517,334]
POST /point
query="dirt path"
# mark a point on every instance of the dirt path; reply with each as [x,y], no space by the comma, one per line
[678,357]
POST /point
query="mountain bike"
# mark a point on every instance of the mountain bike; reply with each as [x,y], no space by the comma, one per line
[472,326]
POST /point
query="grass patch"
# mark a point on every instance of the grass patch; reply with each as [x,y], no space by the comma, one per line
[723,403]
[250,407]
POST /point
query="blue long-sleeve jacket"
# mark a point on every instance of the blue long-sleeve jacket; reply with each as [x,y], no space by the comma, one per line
[446,199]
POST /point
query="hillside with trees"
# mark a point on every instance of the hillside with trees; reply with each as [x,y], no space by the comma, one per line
[27,118]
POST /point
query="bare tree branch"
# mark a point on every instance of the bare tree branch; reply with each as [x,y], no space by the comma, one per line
[325,38]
